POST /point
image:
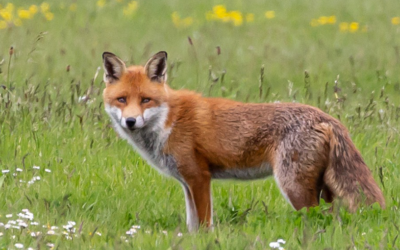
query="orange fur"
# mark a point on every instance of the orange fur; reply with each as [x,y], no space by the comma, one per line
[309,152]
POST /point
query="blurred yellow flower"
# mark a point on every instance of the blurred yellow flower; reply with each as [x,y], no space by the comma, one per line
[44,7]
[33,9]
[353,27]
[73,7]
[331,20]
[179,22]
[130,8]
[270,14]
[17,22]
[3,24]
[49,16]
[323,20]
[344,26]
[396,20]
[101,3]
[24,14]
[236,17]
[10,7]
[314,23]
[250,18]
[220,11]
[6,15]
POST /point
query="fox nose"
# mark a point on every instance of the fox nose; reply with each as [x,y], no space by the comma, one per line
[130,122]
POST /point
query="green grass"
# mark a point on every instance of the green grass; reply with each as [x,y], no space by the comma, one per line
[99,182]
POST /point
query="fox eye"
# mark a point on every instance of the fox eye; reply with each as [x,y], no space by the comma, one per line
[121,100]
[145,100]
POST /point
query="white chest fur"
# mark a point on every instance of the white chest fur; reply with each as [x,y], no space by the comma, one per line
[149,140]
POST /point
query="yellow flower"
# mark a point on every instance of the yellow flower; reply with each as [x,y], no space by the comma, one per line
[396,20]
[49,16]
[323,20]
[6,15]
[24,14]
[101,3]
[44,7]
[344,27]
[186,22]
[10,7]
[33,9]
[131,8]
[73,7]
[175,18]
[179,23]
[3,25]
[332,20]
[270,14]
[236,17]
[314,23]
[250,18]
[353,26]
[220,11]
[17,22]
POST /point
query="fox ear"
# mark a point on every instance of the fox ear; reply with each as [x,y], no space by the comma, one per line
[156,67]
[113,67]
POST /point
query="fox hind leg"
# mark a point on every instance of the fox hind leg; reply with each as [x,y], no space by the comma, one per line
[301,160]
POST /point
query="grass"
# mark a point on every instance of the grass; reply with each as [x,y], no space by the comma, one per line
[101,184]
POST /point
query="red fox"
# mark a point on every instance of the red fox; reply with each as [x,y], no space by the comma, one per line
[195,139]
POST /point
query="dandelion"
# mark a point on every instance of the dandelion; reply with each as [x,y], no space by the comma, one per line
[353,27]
[343,26]
[250,18]
[25,14]
[130,8]
[396,20]
[236,17]
[49,16]
[9,7]
[6,15]
[270,14]
[323,20]
[3,25]
[332,20]
[101,3]
[220,12]
[33,9]
[44,7]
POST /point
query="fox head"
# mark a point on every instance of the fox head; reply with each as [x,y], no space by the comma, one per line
[135,97]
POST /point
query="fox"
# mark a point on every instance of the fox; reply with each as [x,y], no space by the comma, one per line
[196,139]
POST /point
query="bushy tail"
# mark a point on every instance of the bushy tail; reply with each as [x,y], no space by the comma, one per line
[347,175]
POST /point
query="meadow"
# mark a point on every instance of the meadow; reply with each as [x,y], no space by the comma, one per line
[68,181]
